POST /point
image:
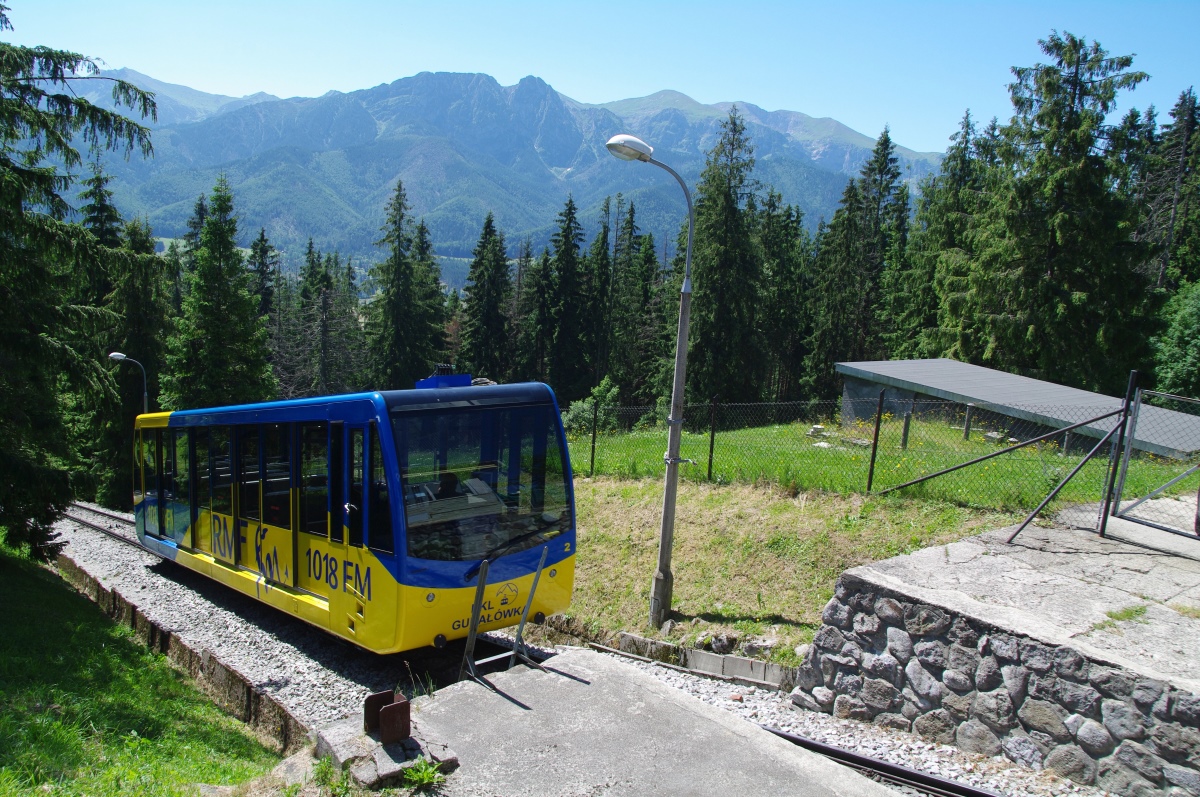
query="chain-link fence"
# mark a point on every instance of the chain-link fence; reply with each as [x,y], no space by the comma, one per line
[835,446]
[1171,501]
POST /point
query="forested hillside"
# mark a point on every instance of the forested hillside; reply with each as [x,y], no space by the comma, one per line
[464,146]
[1063,243]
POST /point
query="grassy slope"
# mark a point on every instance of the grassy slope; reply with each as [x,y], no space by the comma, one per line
[84,709]
[753,560]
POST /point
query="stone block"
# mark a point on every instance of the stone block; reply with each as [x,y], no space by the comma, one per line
[862,601]
[1122,720]
[922,704]
[1036,656]
[1117,779]
[1176,743]
[829,638]
[847,684]
[931,653]
[1043,686]
[922,620]
[850,708]
[1146,693]
[836,613]
[386,765]
[866,624]
[883,666]
[1094,738]
[1038,715]
[1016,679]
[889,611]
[987,674]
[714,663]
[807,676]
[802,699]
[922,683]
[995,710]
[880,695]
[896,721]
[959,706]
[1141,760]
[1022,750]
[1005,647]
[1182,777]
[1185,709]
[344,742]
[963,659]
[1078,698]
[1069,664]
[936,726]
[824,698]
[910,711]
[899,644]
[975,737]
[1111,683]
[853,650]
[1072,763]
[963,633]
[957,680]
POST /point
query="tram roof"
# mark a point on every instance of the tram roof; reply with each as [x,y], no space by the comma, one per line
[1160,431]
[480,395]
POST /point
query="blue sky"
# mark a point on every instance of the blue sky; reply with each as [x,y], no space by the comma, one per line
[915,66]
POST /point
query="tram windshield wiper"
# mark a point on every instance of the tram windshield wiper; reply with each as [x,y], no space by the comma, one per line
[501,548]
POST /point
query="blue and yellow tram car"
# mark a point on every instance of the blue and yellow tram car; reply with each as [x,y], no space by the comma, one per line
[368,514]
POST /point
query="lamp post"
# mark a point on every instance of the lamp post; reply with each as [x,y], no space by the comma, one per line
[121,358]
[630,148]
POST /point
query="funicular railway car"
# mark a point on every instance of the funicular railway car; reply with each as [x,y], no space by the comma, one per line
[368,514]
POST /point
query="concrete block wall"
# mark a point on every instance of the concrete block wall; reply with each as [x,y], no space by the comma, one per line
[236,696]
[887,659]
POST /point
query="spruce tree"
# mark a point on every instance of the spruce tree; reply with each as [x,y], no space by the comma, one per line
[486,345]
[569,371]
[725,356]
[263,264]
[1055,290]
[42,118]
[218,355]
[405,321]
[536,333]
[786,249]
[599,296]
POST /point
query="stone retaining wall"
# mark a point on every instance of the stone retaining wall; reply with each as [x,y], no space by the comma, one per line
[265,716]
[887,659]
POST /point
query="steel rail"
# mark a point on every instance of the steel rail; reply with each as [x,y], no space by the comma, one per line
[95,527]
[884,770]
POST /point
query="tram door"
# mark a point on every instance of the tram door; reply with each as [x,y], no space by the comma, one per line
[150,462]
[264,506]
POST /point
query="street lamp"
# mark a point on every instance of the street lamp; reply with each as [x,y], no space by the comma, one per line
[630,148]
[121,358]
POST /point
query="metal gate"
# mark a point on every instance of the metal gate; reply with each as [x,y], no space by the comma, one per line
[1170,505]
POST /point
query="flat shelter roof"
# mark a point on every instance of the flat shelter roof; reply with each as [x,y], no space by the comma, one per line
[1159,431]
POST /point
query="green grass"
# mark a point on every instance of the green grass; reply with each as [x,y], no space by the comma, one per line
[785,455]
[85,710]
[755,561]
[1127,614]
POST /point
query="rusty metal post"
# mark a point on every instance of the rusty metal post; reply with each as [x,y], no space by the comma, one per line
[875,441]
[967,422]
[1115,465]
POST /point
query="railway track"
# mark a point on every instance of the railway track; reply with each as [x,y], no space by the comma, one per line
[128,539]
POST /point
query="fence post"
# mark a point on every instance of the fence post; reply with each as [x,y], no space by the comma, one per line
[595,417]
[1112,473]
[967,422]
[904,434]
[712,435]
[875,441]
[1066,446]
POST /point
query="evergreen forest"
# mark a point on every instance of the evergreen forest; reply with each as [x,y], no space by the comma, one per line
[1062,244]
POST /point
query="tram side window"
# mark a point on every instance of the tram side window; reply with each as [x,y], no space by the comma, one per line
[277,482]
[379,511]
[248,478]
[314,478]
[354,515]
[150,461]
[221,464]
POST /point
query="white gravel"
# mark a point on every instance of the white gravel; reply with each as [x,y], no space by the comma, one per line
[773,708]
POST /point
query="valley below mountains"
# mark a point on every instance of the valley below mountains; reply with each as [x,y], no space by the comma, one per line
[324,167]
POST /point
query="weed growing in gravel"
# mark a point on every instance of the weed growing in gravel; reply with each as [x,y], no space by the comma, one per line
[423,775]
[87,710]
[1187,611]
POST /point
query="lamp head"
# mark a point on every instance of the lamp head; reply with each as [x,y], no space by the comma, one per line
[629,148]
[116,355]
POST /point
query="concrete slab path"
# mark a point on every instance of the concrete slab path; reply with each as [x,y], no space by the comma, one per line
[1131,599]
[593,725]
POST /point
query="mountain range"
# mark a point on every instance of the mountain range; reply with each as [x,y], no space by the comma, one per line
[324,167]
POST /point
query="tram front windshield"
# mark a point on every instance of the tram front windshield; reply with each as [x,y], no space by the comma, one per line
[481,482]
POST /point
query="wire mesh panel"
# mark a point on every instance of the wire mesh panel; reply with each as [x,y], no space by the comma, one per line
[1160,488]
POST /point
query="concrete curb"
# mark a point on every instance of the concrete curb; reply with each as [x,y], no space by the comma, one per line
[228,689]
[739,669]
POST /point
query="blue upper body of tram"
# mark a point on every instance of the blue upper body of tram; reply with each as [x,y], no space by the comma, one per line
[368,514]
